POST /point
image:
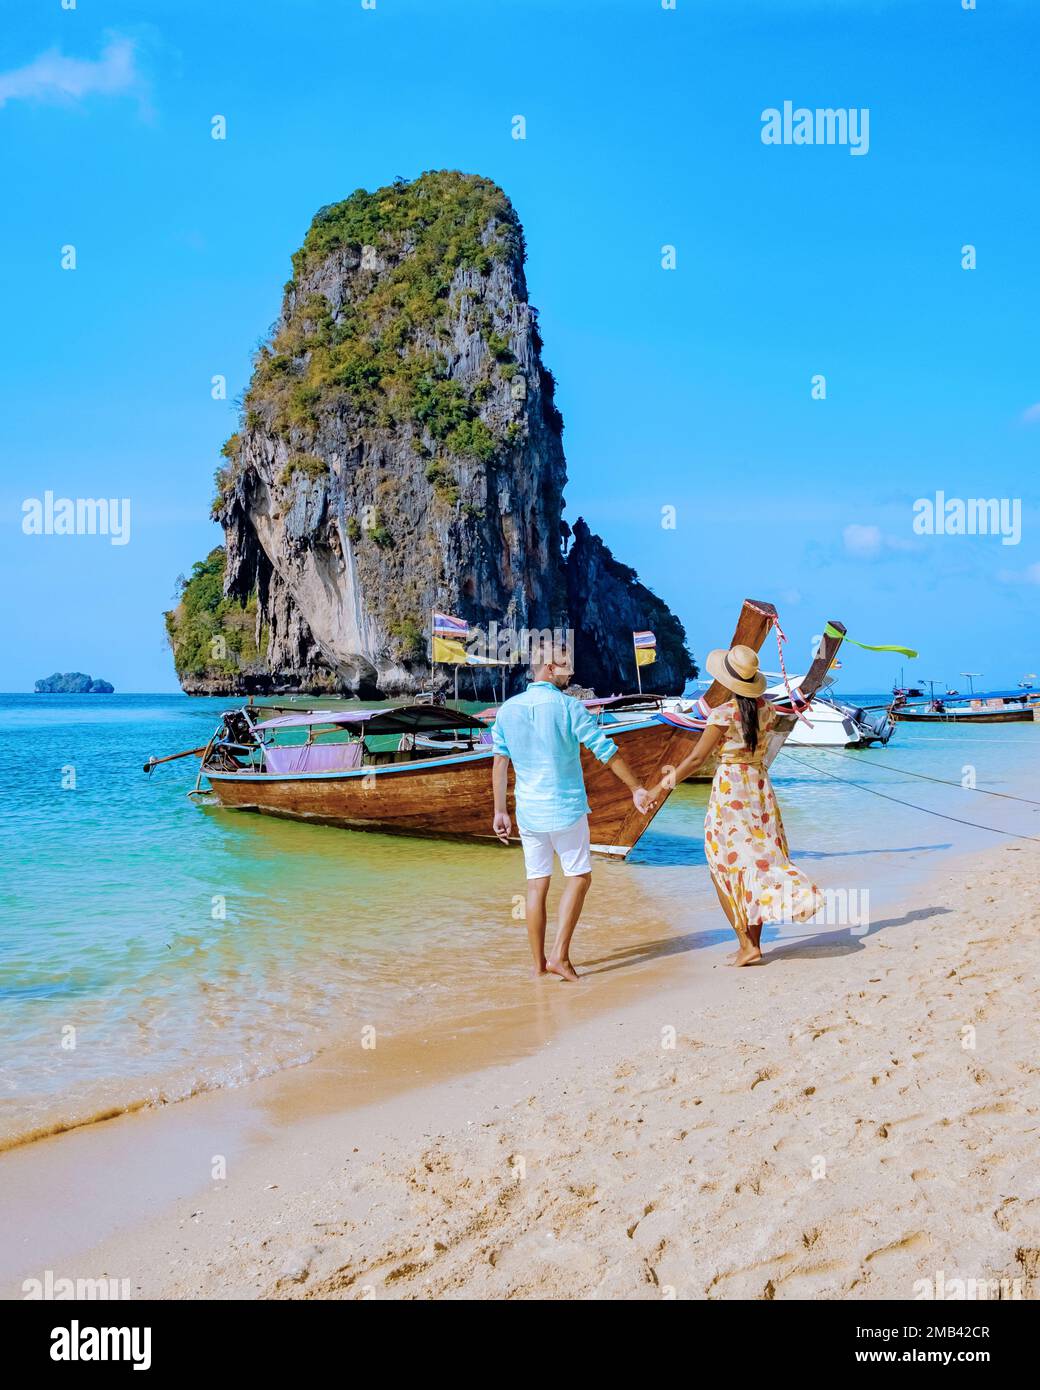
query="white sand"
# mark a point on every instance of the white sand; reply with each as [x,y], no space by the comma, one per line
[821,1128]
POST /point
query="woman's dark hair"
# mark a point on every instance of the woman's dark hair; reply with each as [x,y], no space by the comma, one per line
[747,706]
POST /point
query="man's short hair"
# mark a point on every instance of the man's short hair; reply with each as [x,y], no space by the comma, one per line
[547,652]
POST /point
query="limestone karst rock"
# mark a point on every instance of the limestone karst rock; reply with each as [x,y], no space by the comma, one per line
[400,451]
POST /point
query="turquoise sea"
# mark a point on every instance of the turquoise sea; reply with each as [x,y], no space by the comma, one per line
[151,947]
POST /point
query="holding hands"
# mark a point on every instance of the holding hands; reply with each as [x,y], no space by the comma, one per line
[657,793]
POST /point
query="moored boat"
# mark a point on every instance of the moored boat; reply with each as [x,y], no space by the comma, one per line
[368,769]
[995,707]
[423,791]
[833,723]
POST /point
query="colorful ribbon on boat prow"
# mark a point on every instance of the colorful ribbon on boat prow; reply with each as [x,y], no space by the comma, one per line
[781,638]
[870,647]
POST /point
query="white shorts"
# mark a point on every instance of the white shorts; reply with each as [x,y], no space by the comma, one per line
[571,844]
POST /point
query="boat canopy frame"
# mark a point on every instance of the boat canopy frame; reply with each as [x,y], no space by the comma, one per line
[395,719]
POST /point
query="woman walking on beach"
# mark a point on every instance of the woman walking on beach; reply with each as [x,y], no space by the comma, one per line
[744,838]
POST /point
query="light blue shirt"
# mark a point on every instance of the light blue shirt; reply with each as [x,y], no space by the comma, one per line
[541,731]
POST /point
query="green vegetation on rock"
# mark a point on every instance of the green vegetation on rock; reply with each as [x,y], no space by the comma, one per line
[225,476]
[310,467]
[379,352]
[410,636]
[379,531]
[445,484]
[442,213]
[212,635]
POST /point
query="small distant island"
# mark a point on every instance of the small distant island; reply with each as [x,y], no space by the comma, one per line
[73,683]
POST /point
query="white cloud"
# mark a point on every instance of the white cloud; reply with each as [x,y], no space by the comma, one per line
[54,78]
[868,542]
[864,541]
[1030,575]
[1031,415]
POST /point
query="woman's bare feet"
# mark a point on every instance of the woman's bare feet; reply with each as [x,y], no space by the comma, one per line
[747,955]
[563,968]
[540,970]
[752,952]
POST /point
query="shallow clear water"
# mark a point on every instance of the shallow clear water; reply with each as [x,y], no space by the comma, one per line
[180,947]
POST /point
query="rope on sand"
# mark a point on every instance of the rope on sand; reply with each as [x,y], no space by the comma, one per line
[1012,834]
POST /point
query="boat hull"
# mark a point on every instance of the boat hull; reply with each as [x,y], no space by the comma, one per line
[1014,716]
[451,797]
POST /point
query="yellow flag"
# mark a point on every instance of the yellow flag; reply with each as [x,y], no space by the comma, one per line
[645,656]
[446,649]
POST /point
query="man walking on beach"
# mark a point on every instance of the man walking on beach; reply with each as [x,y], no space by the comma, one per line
[541,732]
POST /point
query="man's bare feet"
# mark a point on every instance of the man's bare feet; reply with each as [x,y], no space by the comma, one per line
[563,968]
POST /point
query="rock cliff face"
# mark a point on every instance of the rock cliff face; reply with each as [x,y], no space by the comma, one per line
[400,451]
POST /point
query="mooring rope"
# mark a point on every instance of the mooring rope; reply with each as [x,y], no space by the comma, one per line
[958,820]
[943,781]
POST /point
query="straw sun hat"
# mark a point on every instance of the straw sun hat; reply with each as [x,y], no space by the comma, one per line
[737,670]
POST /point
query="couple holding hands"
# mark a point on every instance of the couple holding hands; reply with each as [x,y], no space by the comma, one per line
[541,732]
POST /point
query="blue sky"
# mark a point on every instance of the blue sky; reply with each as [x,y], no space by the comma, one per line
[688,388]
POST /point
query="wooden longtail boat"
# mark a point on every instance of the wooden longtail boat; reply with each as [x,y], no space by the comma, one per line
[1001,707]
[421,791]
[1015,714]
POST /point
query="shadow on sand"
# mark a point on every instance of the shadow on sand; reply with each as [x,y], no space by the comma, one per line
[841,942]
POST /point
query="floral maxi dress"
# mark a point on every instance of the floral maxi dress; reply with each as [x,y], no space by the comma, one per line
[744,838]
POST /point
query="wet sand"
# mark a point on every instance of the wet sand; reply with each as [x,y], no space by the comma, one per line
[857,1115]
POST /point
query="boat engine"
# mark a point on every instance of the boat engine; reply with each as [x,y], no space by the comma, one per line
[876,725]
[873,725]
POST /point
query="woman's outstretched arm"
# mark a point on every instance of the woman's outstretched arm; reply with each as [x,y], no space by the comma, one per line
[702,749]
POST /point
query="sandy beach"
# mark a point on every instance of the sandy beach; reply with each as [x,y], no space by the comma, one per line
[853,1119]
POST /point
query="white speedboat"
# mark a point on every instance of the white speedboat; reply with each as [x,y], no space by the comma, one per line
[828,726]
[835,724]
